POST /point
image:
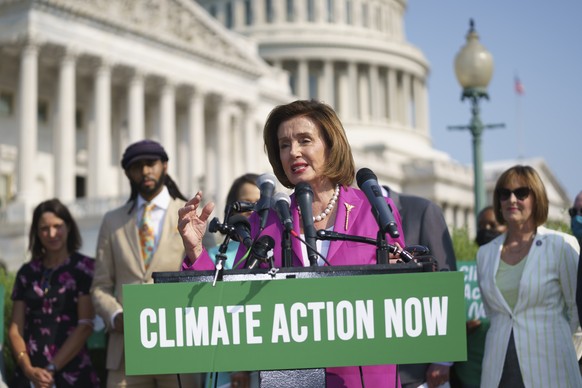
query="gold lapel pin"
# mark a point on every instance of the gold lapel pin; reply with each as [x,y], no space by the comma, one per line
[348,210]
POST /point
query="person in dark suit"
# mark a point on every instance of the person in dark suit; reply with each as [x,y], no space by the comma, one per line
[123,257]
[423,223]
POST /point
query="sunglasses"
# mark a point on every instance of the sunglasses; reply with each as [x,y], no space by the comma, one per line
[575,212]
[520,193]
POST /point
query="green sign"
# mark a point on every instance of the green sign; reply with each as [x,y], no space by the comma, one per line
[473,303]
[294,323]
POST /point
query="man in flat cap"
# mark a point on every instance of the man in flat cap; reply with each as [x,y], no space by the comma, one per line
[135,240]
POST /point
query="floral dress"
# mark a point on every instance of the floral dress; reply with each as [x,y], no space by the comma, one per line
[51,297]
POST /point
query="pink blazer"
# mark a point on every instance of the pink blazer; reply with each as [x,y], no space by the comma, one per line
[360,222]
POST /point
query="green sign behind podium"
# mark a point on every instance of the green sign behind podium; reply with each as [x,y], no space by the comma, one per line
[295,323]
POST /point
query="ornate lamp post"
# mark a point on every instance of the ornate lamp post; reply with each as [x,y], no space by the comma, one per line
[474,68]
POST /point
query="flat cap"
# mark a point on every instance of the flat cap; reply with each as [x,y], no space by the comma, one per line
[144,149]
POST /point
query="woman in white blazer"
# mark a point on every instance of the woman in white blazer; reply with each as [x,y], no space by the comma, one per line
[527,278]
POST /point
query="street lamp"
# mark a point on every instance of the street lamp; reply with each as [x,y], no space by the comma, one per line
[474,68]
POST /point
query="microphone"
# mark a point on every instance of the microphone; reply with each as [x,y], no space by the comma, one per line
[405,255]
[281,203]
[242,206]
[323,234]
[266,184]
[368,183]
[241,230]
[304,196]
[260,250]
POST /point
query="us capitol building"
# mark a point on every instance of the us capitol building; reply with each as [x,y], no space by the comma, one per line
[81,80]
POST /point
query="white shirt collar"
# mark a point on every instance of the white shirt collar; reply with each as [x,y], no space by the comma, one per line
[162,200]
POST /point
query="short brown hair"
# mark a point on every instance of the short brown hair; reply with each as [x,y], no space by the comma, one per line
[530,178]
[340,167]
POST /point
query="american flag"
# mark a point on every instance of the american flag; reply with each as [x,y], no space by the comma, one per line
[519,87]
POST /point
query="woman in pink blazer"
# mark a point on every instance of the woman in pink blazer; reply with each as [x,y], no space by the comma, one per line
[306,142]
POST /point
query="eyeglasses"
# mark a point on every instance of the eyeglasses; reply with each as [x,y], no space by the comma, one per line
[575,212]
[520,193]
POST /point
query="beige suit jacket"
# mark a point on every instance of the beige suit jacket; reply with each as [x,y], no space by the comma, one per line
[118,261]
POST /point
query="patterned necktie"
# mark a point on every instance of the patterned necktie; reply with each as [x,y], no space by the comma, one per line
[146,234]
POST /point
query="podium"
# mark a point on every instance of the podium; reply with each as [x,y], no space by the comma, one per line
[322,317]
[307,378]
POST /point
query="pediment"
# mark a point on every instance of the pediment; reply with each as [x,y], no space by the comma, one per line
[181,24]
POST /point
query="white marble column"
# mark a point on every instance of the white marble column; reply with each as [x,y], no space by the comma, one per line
[239,16]
[196,141]
[343,94]
[259,16]
[391,93]
[421,106]
[28,129]
[340,11]
[407,99]
[168,123]
[364,92]
[328,82]
[223,172]
[136,104]
[357,12]
[64,131]
[279,11]
[251,151]
[374,92]
[320,11]
[236,141]
[99,143]
[303,79]
[300,7]
[353,87]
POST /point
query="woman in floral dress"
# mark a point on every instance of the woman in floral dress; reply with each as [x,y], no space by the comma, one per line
[52,314]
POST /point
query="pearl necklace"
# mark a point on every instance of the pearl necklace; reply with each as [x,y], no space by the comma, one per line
[328,208]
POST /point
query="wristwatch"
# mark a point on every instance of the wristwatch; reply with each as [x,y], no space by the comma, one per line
[51,368]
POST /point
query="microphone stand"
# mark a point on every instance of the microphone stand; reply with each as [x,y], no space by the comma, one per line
[221,255]
[382,249]
[286,251]
[220,260]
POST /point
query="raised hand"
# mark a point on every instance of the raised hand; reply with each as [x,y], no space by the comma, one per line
[192,225]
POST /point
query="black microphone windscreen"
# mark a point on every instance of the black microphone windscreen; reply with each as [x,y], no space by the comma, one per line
[304,197]
[363,175]
[260,250]
[281,203]
[242,229]
[266,184]
[368,183]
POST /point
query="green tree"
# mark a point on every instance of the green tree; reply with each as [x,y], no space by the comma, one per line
[7,281]
[464,246]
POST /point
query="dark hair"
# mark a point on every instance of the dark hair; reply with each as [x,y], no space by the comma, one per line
[528,177]
[485,209]
[236,186]
[340,167]
[170,184]
[55,206]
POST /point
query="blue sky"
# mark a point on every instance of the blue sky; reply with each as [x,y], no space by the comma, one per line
[540,41]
